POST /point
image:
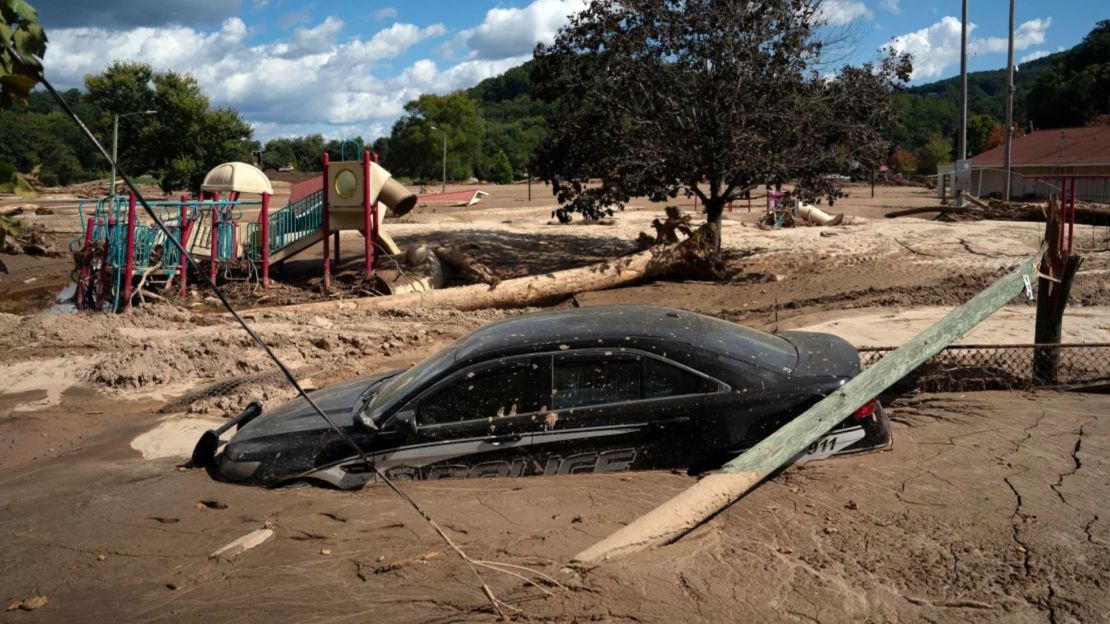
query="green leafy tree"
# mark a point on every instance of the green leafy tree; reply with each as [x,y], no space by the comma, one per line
[1075,90]
[20,29]
[979,130]
[186,137]
[903,161]
[658,98]
[416,150]
[501,171]
[936,150]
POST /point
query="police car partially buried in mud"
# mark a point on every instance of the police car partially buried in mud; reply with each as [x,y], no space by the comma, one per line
[604,389]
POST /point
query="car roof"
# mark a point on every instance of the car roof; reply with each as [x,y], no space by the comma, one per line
[576,328]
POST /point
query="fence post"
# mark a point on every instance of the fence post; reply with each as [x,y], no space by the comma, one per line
[109,234]
[326,227]
[1059,266]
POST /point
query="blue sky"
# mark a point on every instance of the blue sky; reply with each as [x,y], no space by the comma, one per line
[347,67]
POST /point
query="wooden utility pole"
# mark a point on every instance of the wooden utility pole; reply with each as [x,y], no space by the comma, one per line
[689,509]
[1058,269]
[1008,166]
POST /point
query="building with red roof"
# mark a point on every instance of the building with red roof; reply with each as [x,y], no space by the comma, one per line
[1039,159]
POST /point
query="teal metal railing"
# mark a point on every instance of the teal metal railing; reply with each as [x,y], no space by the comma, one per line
[287,225]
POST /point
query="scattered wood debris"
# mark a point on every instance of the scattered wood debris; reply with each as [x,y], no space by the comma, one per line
[241,545]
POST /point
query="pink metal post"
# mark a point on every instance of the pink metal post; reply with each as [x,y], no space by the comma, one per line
[85,261]
[110,230]
[367,223]
[326,227]
[215,236]
[1071,220]
[375,247]
[264,216]
[184,226]
[129,260]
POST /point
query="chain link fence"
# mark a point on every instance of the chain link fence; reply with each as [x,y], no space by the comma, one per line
[967,368]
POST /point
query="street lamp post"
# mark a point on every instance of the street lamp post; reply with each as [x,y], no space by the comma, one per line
[115,144]
[443,188]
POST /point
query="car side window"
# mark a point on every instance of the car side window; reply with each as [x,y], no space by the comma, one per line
[662,379]
[594,379]
[504,389]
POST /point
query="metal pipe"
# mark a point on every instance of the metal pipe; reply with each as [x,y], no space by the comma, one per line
[129,259]
[109,233]
[264,215]
[443,187]
[185,225]
[215,237]
[115,144]
[326,225]
[962,147]
[1007,156]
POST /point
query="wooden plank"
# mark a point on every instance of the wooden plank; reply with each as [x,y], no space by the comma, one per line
[689,509]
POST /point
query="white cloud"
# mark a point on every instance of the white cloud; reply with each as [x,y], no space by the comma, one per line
[1036,54]
[385,13]
[891,5]
[308,82]
[841,12]
[938,46]
[508,32]
[317,39]
[1029,34]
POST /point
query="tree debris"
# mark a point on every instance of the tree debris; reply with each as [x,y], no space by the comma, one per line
[241,545]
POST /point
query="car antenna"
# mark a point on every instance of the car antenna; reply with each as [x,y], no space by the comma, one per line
[498,605]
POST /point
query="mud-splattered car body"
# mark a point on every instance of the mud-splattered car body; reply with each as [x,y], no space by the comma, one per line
[603,389]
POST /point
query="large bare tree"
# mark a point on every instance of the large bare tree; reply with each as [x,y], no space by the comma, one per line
[659,98]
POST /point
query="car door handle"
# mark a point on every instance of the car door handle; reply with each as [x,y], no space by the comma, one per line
[501,439]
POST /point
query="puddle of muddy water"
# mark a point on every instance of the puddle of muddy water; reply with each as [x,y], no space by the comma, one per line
[64,302]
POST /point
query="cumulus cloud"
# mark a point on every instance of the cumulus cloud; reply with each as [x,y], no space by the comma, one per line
[1036,54]
[130,13]
[891,5]
[509,32]
[307,82]
[936,47]
[842,12]
[385,13]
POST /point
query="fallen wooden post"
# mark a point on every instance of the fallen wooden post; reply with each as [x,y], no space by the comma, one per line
[684,512]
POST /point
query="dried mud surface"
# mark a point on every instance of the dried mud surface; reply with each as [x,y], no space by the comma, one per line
[989,508]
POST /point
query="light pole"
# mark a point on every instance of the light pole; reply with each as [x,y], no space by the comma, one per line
[1009,107]
[115,144]
[443,189]
[961,149]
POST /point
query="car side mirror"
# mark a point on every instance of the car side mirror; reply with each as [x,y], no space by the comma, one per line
[403,422]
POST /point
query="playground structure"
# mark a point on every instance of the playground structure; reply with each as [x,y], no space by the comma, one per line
[120,254]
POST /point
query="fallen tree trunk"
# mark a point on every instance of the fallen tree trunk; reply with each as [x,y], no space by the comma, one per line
[694,506]
[695,256]
[466,265]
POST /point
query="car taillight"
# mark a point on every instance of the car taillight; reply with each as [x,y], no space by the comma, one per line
[865,411]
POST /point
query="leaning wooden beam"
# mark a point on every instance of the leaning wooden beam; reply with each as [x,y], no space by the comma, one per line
[689,509]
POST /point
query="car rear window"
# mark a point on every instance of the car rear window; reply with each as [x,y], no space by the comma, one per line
[595,379]
[748,345]
[663,380]
[506,389]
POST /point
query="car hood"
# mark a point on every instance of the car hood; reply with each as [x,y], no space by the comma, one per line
[337,401]
[823,355]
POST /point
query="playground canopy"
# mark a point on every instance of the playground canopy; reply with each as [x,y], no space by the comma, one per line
[239,177]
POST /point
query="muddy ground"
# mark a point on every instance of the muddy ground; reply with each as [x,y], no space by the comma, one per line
[989,507]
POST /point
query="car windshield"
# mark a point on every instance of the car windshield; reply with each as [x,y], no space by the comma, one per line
[396,387]
[760,348]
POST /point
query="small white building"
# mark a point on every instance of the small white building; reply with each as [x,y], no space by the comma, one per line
[1036,158]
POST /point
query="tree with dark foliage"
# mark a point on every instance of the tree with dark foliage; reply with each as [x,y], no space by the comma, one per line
[702,97]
